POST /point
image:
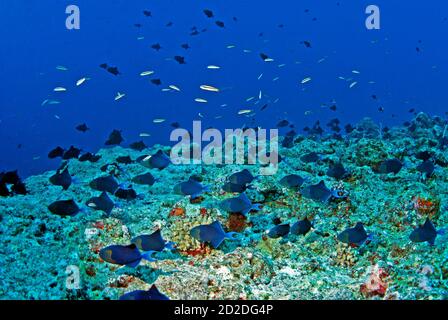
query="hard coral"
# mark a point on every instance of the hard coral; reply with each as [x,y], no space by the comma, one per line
[375,284]
[426,207]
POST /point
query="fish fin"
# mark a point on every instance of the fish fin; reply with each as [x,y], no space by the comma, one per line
[255,207]
[442,232]
[170,245]
[207,189]
[218,226]
[147,255]
[76,180]
[134,263]
[216,242]
[195,195]
[232,235]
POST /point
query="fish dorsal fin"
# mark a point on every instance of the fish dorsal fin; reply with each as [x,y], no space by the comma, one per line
[216,225]
[359,226]
[428,225]
[244,197]
[132,246]
[157,235]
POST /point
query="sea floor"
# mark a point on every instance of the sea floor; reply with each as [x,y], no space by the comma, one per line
[41,253]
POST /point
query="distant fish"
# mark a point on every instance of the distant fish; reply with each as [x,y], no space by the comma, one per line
[320,192]
[82,128]
[57,152]
[244,111]
[278,231]
[337,171]
[105,184]
[89,157]
[174,87]
[61,68]
[200,100]
[159,160]
[71,153]
[292,181]
[144,179]
[241,177]
[185,46]
[190,188]
[354,236]
[112,70]
[306,43]
[156,82]
[220,24]
[152,242]
[311,157]
[115,138]
[213,67]
[80,81]
[389,166]
[147,13]
[159,120]
[124,160]
[119,96]
[138,146]
[127,194]
[123,255]
[102,203]
[426,168]
[211,233]
[282,123]
[209,88]
[151,294]
[64,207]
[156,46]
[180,59]
[301,227]
[353,84]
[208,13]
[234,187]
[240,204]
[146,73]
[62,179]
[425,233]
[59,89]
[306,80]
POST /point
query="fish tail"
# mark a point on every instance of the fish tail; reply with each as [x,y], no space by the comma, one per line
[232,235]
[207,189]
[170,245]
[256,207]
[148,256]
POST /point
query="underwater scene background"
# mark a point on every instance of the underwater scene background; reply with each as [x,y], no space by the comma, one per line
[93,206]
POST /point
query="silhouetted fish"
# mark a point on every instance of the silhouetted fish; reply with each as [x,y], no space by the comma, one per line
[126,194]
[102,203]
[139,146]
[306,44]
[107,184]
[62,179]
[190,188]
[156,82]
[89,157]
[320,192]
[211,233]
[301,227]
[144,179]
[114,139]
[354,236]
[179,59]
[156,46]
[241,177]
[292,181]
[64,207]
[208,13]
[282,123]
[220,24]
[311,157]
[71,153]
[83,128]
[278,231]
[425,233]
[151,294]
[152,242]
[240,204]
[147,13]
[337,171]
[424,155]
[426,168]
[124,160]
[389,166]
[57,152]
[185,46]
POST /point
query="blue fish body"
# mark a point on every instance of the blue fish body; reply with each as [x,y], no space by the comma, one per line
[211,233]
[240,204]
[190,188]
[425,233]
[151,242]
[278,231]
[124,255]
[151,294]
[301,227]
[354,236]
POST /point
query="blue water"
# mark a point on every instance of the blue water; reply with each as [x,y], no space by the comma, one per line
[34,41]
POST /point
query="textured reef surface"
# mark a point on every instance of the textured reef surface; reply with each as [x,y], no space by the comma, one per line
[40,249]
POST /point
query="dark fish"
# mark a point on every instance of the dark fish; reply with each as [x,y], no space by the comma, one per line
[89,157]
[311,157]
[278,231]
[208,13]
[264,107]
[234,187]
[427,168]
[147,13]
[349,128]
[425,233]
[306,44]
[175,125]
[288,142]
[10,177]
[4,191]
[301,227]
[185,46]
[113,70]
[220,24]
[424,155]
[333,107]
[139,146]
[123,255]
[241,177]
[264,57]
[71,153]
[138,25]
[157,82]
[105,184]
[152,242]
[282,123]
[124,160]
[126,194]
[144,179]
[151,294]
[320,192]
[354,236]
[114,139]
[211,233]
[179,59]
[159,160]
[102,203]
[169,24]
[156,46]
[64,208]
[82,128]
[19,188]
[240,204]
[337,171]
[190,188]
[62,179]
[389,166]
[292,181]
[57,152]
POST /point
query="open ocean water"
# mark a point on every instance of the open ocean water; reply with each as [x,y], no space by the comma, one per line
[210,150]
